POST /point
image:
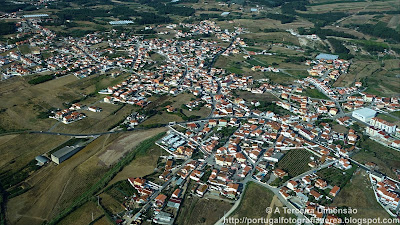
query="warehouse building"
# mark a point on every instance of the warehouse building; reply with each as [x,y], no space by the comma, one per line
[364,114]
[322,56]
[35,16]
[64,153]
[121,22]
[41,160]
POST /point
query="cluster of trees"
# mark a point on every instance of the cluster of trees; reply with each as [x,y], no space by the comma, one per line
[323,19]
[176,10]
[90,3]
[385,12]
[295,59]
[166,7]
[380,30]
[268,3]
[41,79]
[8,6]
[281,17]
[291,7]
[7,28]
[322,33]
[371,46]
[340,49]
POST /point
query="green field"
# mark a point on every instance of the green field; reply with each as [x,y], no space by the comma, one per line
[314,93]
[335,176]
[295,162]
[385,158]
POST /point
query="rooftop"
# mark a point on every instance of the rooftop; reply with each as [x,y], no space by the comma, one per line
[366,112]
[327,56]
[60,153]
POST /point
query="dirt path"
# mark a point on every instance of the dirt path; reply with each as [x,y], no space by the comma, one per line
[275,202]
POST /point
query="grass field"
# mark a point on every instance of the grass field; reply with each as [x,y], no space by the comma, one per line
[314,93]
[379,78]
[58,186]
[141,166]
[254,202]
[295,162]
[335,176]
[248,96]
[254,193]
[280,78]
[385,158]
[389,119]
[15,155]
[22,103]
[397,113]
[83,215]
[358,194]
[195,210]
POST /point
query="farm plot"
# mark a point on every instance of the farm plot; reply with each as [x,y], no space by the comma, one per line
[295,162]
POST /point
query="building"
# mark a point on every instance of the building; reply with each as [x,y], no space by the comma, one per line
[121,22]
[64,153]
[383,125]
[41,160]
[326,56]
[364,114]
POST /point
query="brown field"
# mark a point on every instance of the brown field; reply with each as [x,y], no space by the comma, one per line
[141,166]
[358,194]
[163,118]
[381,79]
[252,193]
[272,37]
[110,203]
[353,6]
[339,128]
[264,198]
[201,211]
[17,155]
[60,185]
[256,25]
[124,144]
[21,102]
[248,96]
[103,221]
[385,158]
[96,122]
[83,215]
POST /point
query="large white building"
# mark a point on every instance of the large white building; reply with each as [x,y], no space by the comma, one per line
[383,125]
[364,114]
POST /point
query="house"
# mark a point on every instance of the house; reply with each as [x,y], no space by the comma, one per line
[335,190]
[319,183]
[94,109]
[315,194]
[292,184]
[159,201]
[201,190]
[280,173]
[176,193]
[138,181]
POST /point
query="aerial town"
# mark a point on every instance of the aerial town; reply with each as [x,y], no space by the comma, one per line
[192,121]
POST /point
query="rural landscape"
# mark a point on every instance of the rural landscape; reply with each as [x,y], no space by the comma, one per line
[197,112]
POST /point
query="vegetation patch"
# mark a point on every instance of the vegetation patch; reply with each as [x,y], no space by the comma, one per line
[295,162]
[41,79]
[141,149]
